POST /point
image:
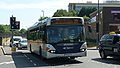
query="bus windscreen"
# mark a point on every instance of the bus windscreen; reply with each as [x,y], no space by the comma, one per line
[66,21]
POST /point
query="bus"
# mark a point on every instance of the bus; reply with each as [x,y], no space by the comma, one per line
[58,37]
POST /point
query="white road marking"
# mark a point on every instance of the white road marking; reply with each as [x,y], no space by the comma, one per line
[25,55]
[8,55]
[30,60]
[7,62]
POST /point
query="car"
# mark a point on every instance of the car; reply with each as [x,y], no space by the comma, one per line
[22,44]
[15,40]
[109,45]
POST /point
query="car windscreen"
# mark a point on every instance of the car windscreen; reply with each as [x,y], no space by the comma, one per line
[24,41]
[16,39]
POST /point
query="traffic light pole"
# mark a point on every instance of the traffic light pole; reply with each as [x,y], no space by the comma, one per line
[12,37]
[97,24]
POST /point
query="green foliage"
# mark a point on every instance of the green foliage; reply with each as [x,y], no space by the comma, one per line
[23,31]
[42,18]
[72,13]
[2,30]
[91,42]
[86,11]
[64,13]
[86,18]
[5,29]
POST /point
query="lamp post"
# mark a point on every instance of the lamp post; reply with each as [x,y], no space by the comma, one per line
[43,12]
[97,24]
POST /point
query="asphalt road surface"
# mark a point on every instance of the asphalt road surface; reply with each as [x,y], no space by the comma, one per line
[24,59]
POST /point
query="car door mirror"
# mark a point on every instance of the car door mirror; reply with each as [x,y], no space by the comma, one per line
[115,39]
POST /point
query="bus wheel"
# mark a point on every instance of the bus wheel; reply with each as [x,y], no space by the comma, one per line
[30,48]
[40,52]
[72,57]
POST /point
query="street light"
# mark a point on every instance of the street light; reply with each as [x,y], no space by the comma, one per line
[97,24]
[43,12]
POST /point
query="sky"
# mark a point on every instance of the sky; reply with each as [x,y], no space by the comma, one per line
[29,11]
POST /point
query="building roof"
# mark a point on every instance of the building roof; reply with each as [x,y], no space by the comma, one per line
[104,4]
[94,3]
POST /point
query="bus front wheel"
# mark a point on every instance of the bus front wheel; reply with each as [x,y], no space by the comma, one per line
[30,48]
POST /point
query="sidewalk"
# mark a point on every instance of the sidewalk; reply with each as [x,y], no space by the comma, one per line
[1,53]
[6,50]
[92,48]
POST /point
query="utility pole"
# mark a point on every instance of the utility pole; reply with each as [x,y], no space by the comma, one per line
[97,24]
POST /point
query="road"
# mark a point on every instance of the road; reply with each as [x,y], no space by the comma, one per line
[24,59]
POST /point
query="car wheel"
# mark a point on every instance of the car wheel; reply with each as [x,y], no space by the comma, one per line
[103,55]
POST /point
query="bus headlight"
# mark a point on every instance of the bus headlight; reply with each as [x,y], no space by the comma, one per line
[83,47]
[52,51]
[50,48]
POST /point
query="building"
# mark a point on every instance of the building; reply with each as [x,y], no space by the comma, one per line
[78,6]
[109,20]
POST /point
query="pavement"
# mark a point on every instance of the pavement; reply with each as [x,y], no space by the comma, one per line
[92,48]
[1,53]
[5,50]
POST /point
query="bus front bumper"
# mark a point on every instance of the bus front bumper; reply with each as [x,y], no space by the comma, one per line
[79,54]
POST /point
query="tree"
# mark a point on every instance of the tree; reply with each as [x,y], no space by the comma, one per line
[2,30]
[42,18]
[60,13]
[72,13]
[7,28]
[86,18]
[23,31]
[64,13]
[86,11]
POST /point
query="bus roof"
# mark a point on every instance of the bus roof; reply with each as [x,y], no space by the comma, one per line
[65,17]
[45,22]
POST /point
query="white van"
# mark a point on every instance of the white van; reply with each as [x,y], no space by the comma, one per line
[16,40]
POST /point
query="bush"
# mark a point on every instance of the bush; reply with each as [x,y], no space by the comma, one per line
[91,42]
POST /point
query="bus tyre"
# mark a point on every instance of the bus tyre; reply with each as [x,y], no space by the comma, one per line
[30,48]
[103,55]
[40,52]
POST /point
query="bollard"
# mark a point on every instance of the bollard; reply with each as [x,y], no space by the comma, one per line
[13,48]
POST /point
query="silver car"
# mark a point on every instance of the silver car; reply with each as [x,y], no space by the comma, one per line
[23,44]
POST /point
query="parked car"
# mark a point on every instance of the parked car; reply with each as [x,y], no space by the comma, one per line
[22,44]
[109,45]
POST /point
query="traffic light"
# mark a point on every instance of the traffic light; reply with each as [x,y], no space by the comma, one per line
[14,24]
[17,24]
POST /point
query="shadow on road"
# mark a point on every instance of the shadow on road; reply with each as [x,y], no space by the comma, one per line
[115,61]
[23,60]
